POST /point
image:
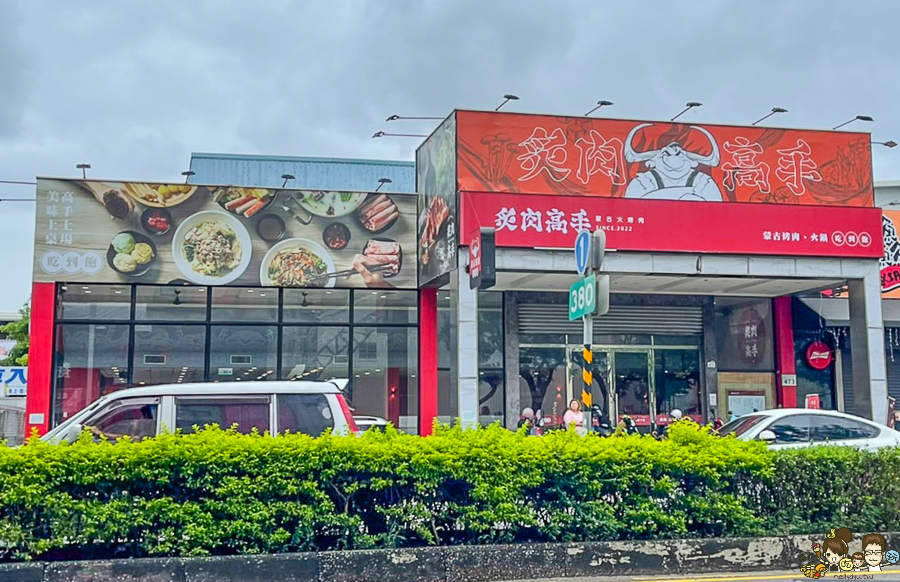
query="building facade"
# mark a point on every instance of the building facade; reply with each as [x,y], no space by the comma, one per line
[719,240]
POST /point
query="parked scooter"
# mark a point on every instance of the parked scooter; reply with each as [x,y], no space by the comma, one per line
[599,423]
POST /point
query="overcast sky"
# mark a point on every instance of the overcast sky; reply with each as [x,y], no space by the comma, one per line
[134,87]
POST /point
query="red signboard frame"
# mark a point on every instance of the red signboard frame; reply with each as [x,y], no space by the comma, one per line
[552,221]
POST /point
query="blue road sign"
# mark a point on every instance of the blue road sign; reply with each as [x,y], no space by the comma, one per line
[582,252]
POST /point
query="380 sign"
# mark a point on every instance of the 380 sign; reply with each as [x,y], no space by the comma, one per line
[583,298]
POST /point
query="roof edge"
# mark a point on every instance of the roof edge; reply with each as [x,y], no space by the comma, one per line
[250,157]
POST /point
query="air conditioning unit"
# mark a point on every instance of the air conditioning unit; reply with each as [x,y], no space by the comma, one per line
[238,360]
[154,359]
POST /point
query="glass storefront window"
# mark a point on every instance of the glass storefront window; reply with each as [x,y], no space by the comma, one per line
[184,333]
[490,358]
[633,384]
[168,354]
[542,381]
[744,334]
[391,307]
[91,361]
[677,377]
[243,352]
[314,353]
[170,303]
[240,304]
[103,302]
[316,306]
[385,383]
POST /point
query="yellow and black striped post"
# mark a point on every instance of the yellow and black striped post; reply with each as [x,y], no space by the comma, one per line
[587,374]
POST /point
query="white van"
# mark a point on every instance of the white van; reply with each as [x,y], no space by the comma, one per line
[299,407]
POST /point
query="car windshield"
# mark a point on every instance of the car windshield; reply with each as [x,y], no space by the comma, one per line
[739,426]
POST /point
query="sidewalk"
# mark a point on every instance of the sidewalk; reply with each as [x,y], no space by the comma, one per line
[887,575]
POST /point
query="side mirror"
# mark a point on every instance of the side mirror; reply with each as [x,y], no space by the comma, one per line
[74,432]
[767,437]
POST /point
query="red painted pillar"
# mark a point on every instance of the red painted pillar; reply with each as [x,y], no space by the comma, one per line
[40,358]
[428,364]
[785,364]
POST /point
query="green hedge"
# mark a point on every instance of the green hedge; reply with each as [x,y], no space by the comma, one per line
[216,492]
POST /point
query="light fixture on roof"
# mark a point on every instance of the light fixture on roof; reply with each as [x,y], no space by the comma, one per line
[857,118]
[84,168]
[601,103]
[506,99]
[404,118]
[687,106]
[770,114]
[187,175]
[287,177]
[382,182]
[378,134]
[888,144]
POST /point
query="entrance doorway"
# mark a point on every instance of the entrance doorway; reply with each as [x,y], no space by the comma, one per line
[630,374]
[645,382]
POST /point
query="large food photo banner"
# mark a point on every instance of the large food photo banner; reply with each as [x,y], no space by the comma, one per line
[436,185]
[155,233]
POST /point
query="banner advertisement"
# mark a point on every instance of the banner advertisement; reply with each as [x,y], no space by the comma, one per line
[437,229]
[153,233]
[617,158]
[535,221]
[890,261]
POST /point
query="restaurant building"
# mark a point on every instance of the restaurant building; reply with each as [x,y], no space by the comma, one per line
[718,240]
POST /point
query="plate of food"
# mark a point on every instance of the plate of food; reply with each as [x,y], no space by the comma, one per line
[329,204]
[296,262]
[385,251]
[211,248]
[131,253]
[160,195]
[378,213]
[244,201]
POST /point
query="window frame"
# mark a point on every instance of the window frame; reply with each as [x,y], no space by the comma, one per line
[330,400]
[825,417]
[131,321]
[118,404]
[775,421]
[269,397]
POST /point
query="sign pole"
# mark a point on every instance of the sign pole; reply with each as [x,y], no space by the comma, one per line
[587,370]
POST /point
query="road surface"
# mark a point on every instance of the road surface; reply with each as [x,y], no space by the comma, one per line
[887,575]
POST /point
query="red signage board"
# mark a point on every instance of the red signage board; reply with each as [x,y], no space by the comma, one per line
[617,158]
[548,221]
[818,355]
[813,401]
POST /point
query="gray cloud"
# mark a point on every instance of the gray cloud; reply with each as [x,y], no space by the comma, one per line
[134,87]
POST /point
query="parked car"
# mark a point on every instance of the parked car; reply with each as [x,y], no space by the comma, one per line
[299,407]
[364,423]
[784,428]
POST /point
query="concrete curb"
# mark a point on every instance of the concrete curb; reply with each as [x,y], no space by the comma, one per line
[446,564]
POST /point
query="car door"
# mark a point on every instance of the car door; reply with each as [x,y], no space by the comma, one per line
[828,429]
[790,431]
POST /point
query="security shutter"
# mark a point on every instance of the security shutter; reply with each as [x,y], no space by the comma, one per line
[893,375]
[621,319]
[847,379]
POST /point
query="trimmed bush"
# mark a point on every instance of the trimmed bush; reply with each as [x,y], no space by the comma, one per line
[217,492]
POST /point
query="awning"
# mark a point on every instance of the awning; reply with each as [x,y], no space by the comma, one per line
[836,312]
